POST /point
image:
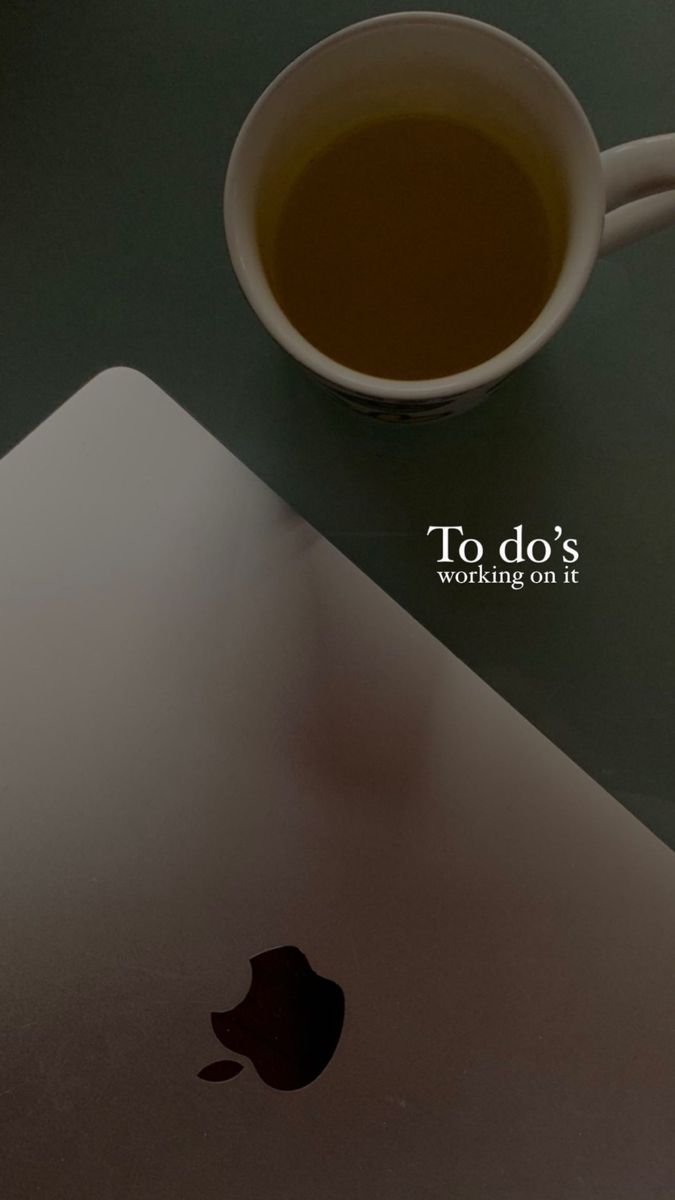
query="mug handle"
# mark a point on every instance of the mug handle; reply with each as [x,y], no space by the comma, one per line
[640,190]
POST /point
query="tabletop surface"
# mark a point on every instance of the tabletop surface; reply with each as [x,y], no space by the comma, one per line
[115,129]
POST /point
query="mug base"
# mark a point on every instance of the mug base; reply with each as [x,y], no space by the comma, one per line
[408,411]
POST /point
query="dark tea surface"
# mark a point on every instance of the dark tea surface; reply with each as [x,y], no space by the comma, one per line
[413,247]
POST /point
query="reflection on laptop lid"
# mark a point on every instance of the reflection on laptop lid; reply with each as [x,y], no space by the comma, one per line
[237,779]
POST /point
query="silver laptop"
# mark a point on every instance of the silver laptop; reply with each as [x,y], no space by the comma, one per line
[293,904]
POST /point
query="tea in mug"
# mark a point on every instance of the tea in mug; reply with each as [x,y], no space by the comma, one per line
[413,247]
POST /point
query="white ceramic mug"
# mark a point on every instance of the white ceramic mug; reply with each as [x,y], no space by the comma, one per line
[426,61]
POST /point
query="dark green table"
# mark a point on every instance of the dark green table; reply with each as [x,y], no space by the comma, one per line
[116,124]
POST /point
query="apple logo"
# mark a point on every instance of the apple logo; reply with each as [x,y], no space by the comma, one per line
[288,1025]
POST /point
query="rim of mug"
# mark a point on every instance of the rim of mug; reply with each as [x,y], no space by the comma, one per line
[571,280]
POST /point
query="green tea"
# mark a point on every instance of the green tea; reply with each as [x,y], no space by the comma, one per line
[413,247]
